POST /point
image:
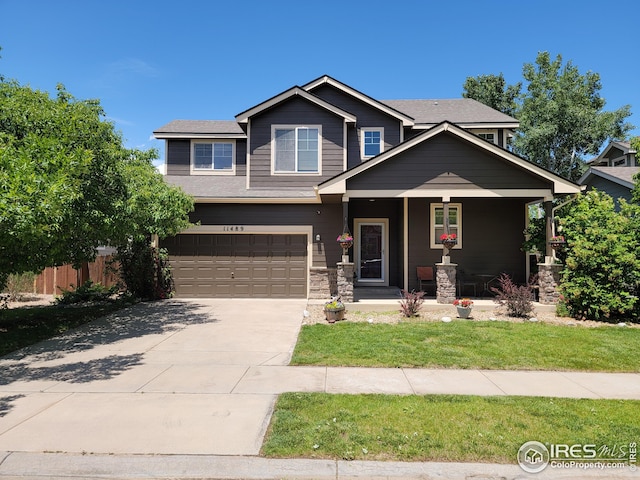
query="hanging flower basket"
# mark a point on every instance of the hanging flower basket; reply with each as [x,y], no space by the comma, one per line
[449,240]
[557,242]
[345,240]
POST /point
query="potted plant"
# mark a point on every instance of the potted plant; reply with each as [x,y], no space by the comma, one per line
[334,310]
[464,306]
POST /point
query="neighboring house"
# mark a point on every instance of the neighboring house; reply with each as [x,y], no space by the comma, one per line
[613,171]
[276,186]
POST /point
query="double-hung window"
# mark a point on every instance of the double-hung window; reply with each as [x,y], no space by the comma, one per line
[213,156]
[439,223]
[372,141]
[296,149]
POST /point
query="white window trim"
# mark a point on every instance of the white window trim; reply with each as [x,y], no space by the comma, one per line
[371,129]
[202,171]
[493,132]
[435,242]
[273,150]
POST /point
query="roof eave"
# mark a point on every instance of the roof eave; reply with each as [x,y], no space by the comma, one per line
[186,135]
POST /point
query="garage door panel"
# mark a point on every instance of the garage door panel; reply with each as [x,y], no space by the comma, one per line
[239,265]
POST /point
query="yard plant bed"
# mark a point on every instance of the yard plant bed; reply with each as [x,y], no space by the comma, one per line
[440,427]
[470,344]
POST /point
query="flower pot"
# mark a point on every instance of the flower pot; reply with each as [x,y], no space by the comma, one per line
[464,312]
[334,315]
[346,245]
[557,245]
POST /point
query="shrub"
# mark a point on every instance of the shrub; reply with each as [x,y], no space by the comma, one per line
[87,292]
[517,298]
[146,271]
[601,278]
[411,303]
[18,284]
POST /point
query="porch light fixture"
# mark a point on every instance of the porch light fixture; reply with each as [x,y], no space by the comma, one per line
[318,237]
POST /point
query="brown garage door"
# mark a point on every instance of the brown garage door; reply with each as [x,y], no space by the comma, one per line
[232,265]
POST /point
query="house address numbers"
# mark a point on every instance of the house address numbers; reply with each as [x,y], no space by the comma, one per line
[233,228]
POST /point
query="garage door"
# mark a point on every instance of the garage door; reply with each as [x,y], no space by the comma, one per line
[232,265]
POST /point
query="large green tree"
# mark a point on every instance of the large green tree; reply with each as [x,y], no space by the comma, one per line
[492,90]
[68,184]
[561,113]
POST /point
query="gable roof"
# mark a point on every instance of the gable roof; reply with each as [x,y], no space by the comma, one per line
[464,112]
[337,184]
[200,129]
[620,175]
[243,117]
[406,120]
[625,147]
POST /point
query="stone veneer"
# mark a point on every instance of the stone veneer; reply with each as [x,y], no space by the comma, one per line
[548,281]
[345,281]
[323,282]
[446,282]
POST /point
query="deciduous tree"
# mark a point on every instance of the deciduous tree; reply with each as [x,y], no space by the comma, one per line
[68,185]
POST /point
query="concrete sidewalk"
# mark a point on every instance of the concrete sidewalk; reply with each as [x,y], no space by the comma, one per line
[185,389]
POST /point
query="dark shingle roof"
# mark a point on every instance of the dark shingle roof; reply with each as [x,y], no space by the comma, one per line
[200,127]
[229,186]
[457,110]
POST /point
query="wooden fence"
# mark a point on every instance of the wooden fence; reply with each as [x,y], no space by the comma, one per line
[53,280]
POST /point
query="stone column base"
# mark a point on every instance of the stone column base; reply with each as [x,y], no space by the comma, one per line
[345,281]
[548,282]
[446,282]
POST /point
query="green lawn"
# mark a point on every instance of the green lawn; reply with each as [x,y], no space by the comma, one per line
[21,327]
[440,427]
[470,344]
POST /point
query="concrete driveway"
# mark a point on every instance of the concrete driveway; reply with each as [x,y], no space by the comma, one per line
[156,378]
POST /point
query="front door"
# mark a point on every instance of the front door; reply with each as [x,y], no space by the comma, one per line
[371,249]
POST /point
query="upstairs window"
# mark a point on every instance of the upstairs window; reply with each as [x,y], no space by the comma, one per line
[296,149]
[372,141]
[213,157]
[488,136]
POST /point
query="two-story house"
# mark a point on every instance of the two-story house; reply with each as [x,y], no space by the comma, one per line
[613,171]
[275,187]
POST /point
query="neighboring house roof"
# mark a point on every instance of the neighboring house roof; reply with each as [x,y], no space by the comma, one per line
[624,147]
[465,112]
[243,117]
[211,187]
[620,175]
[200,128]
[406,120]
[337,184]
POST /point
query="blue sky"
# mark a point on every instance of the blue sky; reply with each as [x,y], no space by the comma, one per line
[150,62]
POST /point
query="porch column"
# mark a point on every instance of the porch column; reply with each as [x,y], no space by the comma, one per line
[548,215]
[548,281]
[446,282]
[345,281]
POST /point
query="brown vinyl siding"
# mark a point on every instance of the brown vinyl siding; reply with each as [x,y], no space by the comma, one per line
[325,219]
[491,237]
[445,161]
[615,190]
[295,111]
[178,159]
[367,117]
